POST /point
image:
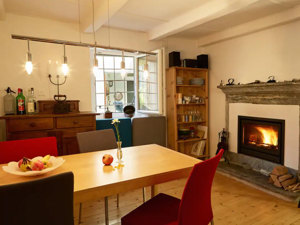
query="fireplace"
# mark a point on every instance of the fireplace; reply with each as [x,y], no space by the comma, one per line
[262,138]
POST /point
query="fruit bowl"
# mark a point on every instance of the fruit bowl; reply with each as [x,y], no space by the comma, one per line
[13,167]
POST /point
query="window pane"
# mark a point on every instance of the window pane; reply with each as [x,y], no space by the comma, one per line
[99,87]
[120,86]
[118,61]
[108,62]
[109,75]
[152,77]
[100,61]
[130,98]
[153,88]
[152,67]
[129,63]
[100,75]
[110,86]
[129,75]
[142,87]
[129,86]
[100,99]
[118,75]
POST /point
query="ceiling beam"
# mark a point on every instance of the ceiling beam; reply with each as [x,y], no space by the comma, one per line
[211,10]
[2,10]
[264,23]
[101,14]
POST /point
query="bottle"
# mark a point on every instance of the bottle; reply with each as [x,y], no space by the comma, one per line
[20,100]
[31,102]
[9,102]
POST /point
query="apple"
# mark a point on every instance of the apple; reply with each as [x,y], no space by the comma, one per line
[37,165]
[107,159]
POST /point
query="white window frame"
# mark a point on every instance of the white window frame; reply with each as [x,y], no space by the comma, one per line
[160,83]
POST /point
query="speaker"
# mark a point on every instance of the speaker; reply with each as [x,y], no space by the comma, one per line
[190,63]
[202,61]
[174,59]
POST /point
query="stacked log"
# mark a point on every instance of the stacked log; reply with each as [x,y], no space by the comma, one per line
[281,178]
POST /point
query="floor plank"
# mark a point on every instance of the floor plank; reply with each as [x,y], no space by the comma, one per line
[234,203]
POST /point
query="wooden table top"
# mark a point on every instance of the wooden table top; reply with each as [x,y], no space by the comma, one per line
[143,166]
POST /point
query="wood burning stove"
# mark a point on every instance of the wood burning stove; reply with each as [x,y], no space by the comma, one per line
[262,138]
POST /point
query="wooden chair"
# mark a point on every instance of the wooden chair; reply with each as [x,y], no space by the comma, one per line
[193,209]
[46,201]
[30,148]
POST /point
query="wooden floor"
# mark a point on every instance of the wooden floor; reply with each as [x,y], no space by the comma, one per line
[233,203]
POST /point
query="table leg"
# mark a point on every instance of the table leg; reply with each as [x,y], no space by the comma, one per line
[106,210]
[154,190]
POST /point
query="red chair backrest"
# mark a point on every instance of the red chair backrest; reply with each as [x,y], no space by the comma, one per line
[195,207]
[30,148]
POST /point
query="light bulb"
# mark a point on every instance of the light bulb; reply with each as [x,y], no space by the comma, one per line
[146,72]
[95,70]
[29,67]
[65,69]
[123,71]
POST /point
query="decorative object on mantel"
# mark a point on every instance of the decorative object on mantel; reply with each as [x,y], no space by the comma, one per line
[223,143]
[281,178]
[116,122]
[221,83]
[271,79]
[230,81]
[255,82]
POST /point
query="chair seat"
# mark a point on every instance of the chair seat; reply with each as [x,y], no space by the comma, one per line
[160,210]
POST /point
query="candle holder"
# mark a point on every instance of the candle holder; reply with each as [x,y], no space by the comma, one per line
[61,105]
[58,84]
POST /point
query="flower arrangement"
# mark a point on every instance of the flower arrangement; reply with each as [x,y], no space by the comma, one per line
[116,122]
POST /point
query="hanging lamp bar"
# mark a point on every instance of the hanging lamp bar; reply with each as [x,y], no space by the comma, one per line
[74,43]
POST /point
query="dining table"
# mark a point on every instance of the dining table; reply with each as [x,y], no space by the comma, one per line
[143,166]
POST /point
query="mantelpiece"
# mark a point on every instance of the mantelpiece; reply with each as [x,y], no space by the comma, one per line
[281,93]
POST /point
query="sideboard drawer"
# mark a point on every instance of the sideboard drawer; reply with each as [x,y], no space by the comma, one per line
[79,121]
[29,124]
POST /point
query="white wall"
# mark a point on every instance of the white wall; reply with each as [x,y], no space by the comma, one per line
[275,51]
[78,86]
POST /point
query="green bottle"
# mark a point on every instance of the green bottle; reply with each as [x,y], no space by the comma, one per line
[20,100]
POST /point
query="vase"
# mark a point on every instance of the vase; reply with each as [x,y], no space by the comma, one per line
[119,152]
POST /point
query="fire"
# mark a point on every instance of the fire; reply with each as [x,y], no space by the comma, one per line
[269,136]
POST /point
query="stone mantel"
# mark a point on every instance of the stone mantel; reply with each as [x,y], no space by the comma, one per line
[281,93]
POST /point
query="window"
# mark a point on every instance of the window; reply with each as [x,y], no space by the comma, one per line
[148,84]
[112,90]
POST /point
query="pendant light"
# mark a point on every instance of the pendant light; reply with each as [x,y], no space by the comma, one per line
[146,69]
[28,65]
[64,66]
[95,68]
[123,71]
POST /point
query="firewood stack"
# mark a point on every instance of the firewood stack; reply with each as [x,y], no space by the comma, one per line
[281,178]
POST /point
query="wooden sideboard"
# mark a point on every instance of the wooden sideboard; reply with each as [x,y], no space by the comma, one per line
[62,126]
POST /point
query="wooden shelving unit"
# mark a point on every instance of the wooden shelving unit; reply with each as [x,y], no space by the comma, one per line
[175,110]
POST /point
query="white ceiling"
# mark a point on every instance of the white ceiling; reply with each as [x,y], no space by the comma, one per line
[155,15]
[254,11]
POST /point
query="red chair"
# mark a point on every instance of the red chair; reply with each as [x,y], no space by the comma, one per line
[194,207]
[30,148]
